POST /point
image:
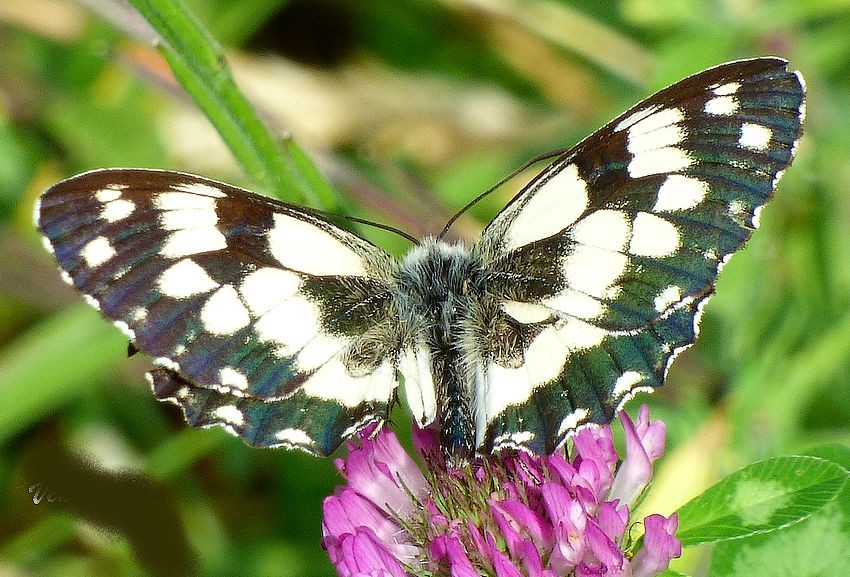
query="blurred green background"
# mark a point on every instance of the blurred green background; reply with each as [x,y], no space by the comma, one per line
[410,108]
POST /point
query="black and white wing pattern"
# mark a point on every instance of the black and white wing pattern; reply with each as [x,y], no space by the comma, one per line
[263,317]
[601,265]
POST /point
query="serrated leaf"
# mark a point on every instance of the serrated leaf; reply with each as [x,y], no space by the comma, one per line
[759,498]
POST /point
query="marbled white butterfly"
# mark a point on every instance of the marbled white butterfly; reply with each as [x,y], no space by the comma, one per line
[265,318]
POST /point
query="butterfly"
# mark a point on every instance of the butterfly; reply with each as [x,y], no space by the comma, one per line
[267,319]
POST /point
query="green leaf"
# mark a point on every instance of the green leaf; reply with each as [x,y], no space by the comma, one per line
[199,65]
[814,547]
[759,498]
[820,545]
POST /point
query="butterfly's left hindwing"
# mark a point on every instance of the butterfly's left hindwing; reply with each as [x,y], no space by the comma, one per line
[611,252]
[263,317]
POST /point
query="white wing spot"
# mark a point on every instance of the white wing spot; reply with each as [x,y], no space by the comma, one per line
[92,301]
[304,246]
[755,136]
[757,216]
[514,439]
[181,210]
[626,382]
[47,245]
[139,314]
[578,335]
[607,229]
[182,201]
[635,117]
[659,119]
[167,363]
[415,365]
[592,270]
[801,111]
[97,252]
[358,425]
[193,241]
[697,316]
[658,138]
[503,386]
[108,194]
[230,377]
[571,421]
[224,313]
[124,328]
[188,219]
[500,387]
[184,279]
[66,278]
[230,414]
[294,437]
[267,287]
[658,130]
[333,382]
[659,161]
[318,350]
[577,304]
[679,192]
[727,89]
[290,324]
[551,207]
[525,312]
[667,297]
[653,236]
[117,210]
[737,208]
[722,106]
[200,188]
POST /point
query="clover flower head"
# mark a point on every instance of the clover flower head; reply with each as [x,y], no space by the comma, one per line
[510,515]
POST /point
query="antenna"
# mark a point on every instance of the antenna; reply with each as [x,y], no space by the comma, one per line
[474,201]
[386,227]
[332,216]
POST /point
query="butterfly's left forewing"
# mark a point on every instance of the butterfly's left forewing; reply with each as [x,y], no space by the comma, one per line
[601,264]
[263,317]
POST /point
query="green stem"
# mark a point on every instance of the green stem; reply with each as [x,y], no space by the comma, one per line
[199,65]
